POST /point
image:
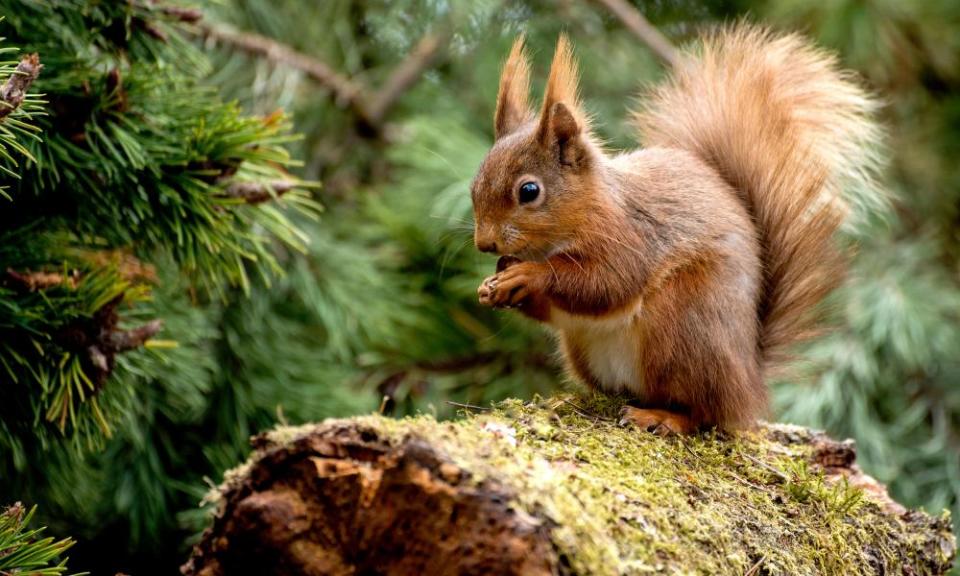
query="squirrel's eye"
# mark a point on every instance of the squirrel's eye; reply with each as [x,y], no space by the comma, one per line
[529,192]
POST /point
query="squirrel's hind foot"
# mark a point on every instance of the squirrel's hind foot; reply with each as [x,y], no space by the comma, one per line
[659,422]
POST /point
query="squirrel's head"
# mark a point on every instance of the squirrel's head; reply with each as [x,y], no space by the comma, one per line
[538,180]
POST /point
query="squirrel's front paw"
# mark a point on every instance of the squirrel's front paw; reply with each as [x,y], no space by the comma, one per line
[512,285]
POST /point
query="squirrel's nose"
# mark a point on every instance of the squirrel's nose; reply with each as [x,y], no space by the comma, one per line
[486,245]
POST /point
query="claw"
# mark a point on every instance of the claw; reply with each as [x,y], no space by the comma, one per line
[511,285]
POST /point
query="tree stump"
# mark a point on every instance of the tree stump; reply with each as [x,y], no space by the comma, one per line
[555,486]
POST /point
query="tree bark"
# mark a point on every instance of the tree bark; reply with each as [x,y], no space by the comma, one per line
[555,486]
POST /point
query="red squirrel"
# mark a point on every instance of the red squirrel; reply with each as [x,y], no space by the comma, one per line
[678,273]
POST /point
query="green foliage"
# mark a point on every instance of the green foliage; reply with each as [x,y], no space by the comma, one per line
[22,550]
[119,173]
[19,125]
[133,153]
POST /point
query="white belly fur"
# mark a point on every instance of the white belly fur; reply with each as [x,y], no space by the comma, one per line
[610,344]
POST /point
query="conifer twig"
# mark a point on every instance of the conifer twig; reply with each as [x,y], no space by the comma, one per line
[643,30]
[14,90]
[123,340]
[257,192]
[24,549]
[33,281]
[183,13]
[406,74]
[345,91]
[371,110]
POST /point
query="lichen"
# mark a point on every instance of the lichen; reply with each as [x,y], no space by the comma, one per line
[626,502]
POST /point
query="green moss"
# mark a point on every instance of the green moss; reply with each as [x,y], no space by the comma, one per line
[627,502]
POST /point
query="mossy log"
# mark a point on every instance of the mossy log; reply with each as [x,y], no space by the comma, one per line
[555,486]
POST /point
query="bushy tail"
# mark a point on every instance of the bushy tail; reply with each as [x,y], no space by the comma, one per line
[779,120]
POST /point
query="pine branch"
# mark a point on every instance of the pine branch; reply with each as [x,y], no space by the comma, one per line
[99,339]
[257,192]
[345,91]
[124,340]
[179,13]
[101,354]
[643,30]
[371,110]
[23,550]
[183,14]
[405,75]
[131,268]
[33,281]
[15,89]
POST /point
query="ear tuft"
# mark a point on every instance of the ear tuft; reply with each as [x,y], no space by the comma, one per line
[562,119]
[562,83]
[513,108]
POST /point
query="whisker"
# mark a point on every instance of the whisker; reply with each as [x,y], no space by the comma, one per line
[455,235]
[579,265]
[449,254]
[450,218]
[553,270]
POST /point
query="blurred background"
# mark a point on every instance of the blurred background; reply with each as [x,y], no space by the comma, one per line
[394,101]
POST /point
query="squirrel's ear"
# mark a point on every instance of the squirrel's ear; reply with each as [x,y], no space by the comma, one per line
[561,119]
[563,133]
[513,108]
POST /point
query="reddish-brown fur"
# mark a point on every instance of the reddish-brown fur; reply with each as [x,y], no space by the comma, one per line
[681,271]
